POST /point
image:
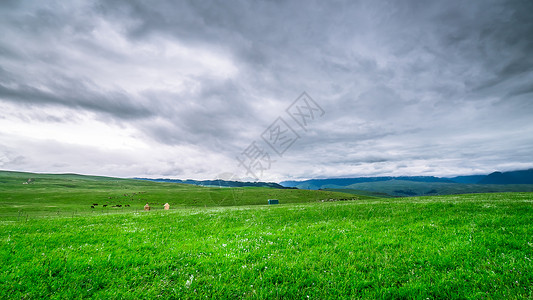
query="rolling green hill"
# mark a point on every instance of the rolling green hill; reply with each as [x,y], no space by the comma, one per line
[403,188]
[29,194]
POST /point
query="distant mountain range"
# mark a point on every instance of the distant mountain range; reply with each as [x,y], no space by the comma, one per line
[513,177]
[315,184]
[220,183]
[401,186]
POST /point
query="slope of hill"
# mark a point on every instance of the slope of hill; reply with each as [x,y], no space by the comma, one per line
[60,194]
[402,188]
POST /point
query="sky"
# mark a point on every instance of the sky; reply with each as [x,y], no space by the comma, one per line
[266,90]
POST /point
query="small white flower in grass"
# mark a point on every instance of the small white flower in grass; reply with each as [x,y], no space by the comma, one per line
[189,281]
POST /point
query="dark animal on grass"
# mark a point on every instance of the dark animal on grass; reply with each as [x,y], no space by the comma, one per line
[127,205]
[95,204]
[92,206]
[105,205]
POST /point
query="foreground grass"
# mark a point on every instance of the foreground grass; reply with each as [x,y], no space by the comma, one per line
[450,247]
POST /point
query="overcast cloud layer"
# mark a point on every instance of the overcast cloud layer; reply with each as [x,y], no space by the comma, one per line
[161,89]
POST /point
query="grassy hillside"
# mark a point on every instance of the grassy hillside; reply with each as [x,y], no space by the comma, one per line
[447,247]
[409,186]
[361,193]
[404,188]
[71,195]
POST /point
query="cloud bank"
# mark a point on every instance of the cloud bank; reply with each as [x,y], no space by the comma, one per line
[130,88]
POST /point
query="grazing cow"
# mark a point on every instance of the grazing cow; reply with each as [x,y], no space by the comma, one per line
[95,204]
[118,205]
[92,206]
[127,205]
[105,205]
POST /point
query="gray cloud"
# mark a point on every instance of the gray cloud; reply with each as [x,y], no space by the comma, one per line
[77,94]
[417,87]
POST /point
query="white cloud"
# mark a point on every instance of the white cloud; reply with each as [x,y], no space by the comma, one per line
[68,126]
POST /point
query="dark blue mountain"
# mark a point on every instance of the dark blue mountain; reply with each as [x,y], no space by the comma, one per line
[342,182]
[469,179]
[513,177]
[219,183]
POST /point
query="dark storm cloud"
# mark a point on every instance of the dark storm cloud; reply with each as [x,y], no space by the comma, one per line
[40,73]
[74,93]
[219,112]
[413,80]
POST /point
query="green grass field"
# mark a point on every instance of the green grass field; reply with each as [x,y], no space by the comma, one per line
[71,195]
[477,246]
